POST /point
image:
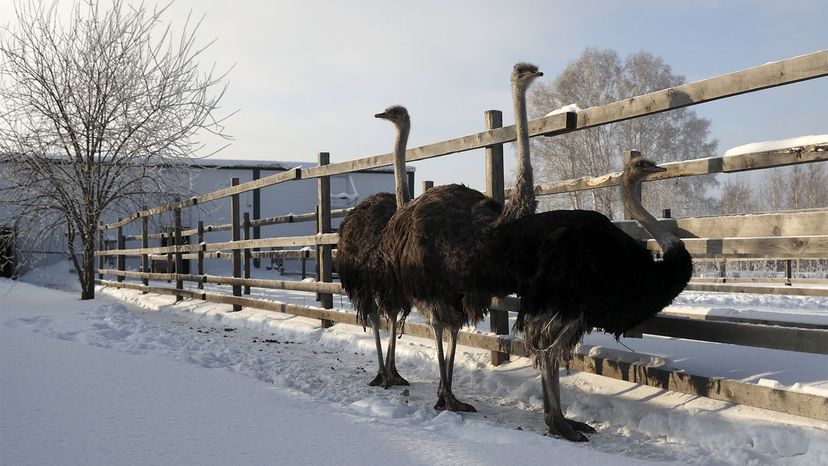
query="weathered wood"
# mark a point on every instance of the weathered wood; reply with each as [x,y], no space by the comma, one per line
[559,123]
[741,320]
[427,184]
[101,246]
[788,271]
[200,253]
[246,259]
[313,287]
[179,262]
[323,252]
[750,225]
[806,246]
[292,174]
[145,262]
[793,281]
[121,261]
[286,241]
[696,167]
[782,290]
[499,320]
[236,237]
[761,336]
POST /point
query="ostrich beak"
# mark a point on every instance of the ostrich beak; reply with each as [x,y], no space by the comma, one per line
[656,169]
[539,74]
[381,115]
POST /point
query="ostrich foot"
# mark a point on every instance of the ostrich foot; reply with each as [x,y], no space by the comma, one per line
[568,429]
[581,426]
[450,403]
[380,381]
[395,378]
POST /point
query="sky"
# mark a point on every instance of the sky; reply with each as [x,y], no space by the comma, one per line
[307,76]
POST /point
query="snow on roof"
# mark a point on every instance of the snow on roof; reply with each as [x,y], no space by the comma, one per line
[564,109]
[269,165]
[778,144]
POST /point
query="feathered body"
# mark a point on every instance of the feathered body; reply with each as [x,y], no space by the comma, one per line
[431,242]
[574,270]
[365,275]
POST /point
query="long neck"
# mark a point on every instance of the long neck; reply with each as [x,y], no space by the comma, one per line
[664,237]
[522,201]
[400,184]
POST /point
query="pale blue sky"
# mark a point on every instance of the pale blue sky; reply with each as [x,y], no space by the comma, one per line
[310,74]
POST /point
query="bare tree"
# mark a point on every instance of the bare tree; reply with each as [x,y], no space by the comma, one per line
[797,187]
[92,110]
[598,77]
[737,196]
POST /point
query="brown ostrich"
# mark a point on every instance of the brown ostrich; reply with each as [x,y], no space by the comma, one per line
[574,270]
[366,277]
[433,244]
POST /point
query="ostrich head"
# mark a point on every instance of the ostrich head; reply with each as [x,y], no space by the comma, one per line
[396,114]
[524,73]
[639,168]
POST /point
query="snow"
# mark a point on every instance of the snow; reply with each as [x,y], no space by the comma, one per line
[565,109]
[764,146]
[139,379]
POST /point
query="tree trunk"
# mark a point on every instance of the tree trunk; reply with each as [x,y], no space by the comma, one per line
[87,275]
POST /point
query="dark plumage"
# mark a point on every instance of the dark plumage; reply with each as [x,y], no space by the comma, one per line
[574,271]
[433,242]
[367,278]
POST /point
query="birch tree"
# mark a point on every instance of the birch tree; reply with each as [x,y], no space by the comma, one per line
[598,77]
[92,108]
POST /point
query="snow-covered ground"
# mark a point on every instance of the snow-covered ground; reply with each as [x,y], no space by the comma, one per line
[138,379]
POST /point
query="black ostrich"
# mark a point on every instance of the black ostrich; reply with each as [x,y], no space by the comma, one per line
[366,277]
[574,271]
[433,241]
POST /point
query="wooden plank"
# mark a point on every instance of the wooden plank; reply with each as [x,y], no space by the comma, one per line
[292,174]
[807,246]
[324,265]
[313,287]
[246,258]
[804,340]
[329,238]
[751,225]
[499,320]
[741,320]
[793,280]
[780,290]
[121,261]
[550,125]
[705,166]
[236,237]
[800,404]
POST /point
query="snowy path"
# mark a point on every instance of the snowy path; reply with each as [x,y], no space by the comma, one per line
[190,383]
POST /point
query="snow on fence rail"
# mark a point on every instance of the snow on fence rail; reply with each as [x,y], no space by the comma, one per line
[784,235]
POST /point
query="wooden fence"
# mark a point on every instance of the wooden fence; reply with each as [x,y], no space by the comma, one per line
[785,236]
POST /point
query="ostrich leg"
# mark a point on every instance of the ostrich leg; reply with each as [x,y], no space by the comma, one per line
[382,378]
[552,413]
[394,378]
[446,398]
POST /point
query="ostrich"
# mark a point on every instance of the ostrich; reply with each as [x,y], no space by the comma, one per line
[433,244]
[367,279]
[574,270]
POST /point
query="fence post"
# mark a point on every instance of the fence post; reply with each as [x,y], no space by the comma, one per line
[788,272]
[236,235]
[323,225]
[498,319]
[636,192]
[167,239]
[246,230]
[101,258]
[179,263]
[427,184]
[200,265]
[145,262]
[723,270]
[121,257]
